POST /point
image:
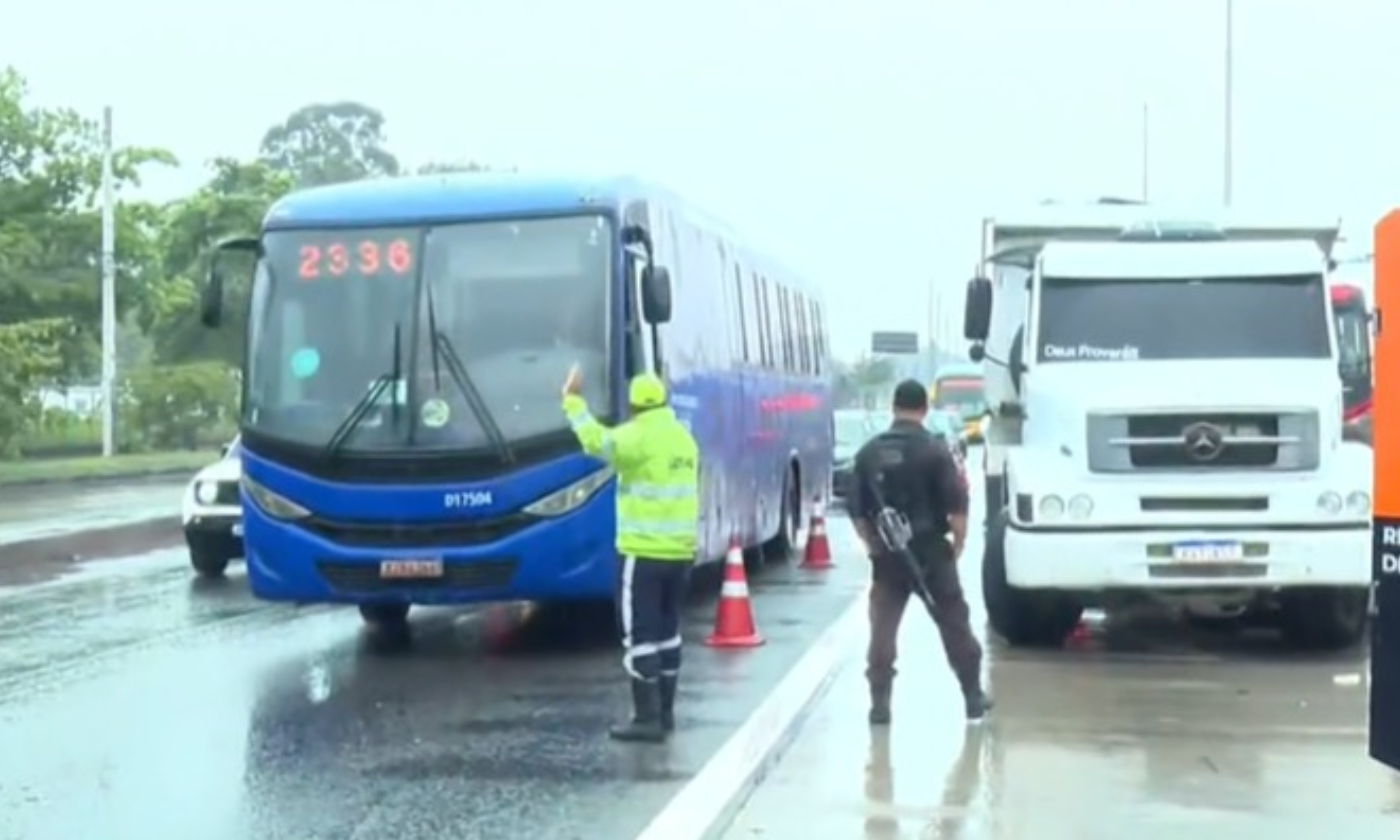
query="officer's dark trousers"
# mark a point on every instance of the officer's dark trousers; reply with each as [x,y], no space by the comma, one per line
[890,592]
[650,595]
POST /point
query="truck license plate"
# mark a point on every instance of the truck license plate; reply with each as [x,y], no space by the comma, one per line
[1207,552]
[410,569]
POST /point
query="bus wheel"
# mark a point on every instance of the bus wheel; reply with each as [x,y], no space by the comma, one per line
[782,547]
[385,615]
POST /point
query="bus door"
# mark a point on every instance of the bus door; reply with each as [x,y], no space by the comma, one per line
[1385,558]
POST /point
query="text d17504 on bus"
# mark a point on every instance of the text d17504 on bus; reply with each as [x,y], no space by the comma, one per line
[402,436]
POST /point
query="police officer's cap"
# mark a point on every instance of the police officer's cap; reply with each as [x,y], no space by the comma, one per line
[646,391]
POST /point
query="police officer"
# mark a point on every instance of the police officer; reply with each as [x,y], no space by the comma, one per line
[913,472]
[658,511]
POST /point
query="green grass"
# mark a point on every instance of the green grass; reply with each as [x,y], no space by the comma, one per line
[94,467]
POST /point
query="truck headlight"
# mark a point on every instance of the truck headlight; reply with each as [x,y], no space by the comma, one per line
[1358,503]
[1330,503]
[1081,507]
[273,504]
[568,498]
[1050,507]
[205,492]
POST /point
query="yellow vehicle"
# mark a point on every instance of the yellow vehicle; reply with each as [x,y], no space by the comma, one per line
[957,389]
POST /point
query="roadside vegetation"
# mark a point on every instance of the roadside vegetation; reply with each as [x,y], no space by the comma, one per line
[178,382]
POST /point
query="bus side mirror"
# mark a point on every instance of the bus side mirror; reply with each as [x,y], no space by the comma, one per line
[211,297]
[977,309]
[656,294]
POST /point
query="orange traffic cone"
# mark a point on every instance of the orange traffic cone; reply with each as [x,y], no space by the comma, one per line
[734,625]
[818,552]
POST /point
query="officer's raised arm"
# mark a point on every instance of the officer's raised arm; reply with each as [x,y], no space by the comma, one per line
[947,484]
[615,445]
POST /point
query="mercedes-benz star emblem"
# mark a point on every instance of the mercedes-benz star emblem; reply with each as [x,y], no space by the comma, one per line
[1204,442]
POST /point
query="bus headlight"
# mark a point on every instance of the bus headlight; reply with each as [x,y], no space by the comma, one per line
[1330,503]
[1050,507]
[1081,507]
[273,504]
[1358,503]
[568,498]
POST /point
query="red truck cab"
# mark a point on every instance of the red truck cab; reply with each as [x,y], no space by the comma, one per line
[1353,324]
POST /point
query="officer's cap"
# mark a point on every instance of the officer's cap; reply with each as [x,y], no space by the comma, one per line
[646,391]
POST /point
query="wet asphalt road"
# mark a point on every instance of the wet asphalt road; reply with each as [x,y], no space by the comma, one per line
[136,703]
[31,513]
[1147,728]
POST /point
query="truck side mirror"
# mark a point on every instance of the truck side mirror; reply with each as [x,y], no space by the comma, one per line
[656,294]
[977,309]
[977,353]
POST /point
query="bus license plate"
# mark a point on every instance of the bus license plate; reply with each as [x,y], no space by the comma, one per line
[1207,552]
[410,569]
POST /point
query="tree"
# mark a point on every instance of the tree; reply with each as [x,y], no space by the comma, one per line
[50,228]
[232,203]
[330,144]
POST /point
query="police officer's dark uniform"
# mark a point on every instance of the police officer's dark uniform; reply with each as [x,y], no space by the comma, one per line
[913,472]
[658,512]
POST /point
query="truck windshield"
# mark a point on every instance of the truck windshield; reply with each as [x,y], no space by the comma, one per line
[1131,320]
[335,311]
[963,395]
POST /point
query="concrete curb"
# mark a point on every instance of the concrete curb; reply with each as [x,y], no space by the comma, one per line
[30,561]
[704,808]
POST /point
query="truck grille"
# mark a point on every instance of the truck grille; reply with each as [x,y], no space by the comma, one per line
[1201,442]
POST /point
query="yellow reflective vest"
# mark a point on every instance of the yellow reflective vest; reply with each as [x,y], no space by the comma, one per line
[658,477]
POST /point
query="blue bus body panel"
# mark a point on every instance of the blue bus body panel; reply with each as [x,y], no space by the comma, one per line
[756,422]
[567,557]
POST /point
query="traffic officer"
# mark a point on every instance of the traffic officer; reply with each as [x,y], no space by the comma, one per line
[658,511]
[913,472]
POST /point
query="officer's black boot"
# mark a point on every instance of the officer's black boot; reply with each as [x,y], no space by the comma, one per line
[645,724]
[668,703]
[880,692]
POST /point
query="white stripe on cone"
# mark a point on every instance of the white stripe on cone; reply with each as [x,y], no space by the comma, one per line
[734,589]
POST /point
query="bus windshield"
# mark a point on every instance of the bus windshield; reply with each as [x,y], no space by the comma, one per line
[965,396]
[336,313]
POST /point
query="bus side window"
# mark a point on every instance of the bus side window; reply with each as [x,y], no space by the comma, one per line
[637,356]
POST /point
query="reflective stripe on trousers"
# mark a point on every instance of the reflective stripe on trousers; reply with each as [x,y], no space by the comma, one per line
[650,593]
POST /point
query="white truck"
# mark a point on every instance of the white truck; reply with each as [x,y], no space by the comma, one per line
[1165,423]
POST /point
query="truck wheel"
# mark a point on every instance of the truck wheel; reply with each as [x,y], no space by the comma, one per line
[1324,618]
[208,563]
[1023,617]
[387,616]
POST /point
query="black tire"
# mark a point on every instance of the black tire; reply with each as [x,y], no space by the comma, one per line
[388,616]
[208,563]
[1024,618]
[1324,618]
[783,546]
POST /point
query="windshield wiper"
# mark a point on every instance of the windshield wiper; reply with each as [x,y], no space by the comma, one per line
[443,349]
[361,409]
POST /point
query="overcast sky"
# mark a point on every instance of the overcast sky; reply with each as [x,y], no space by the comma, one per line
[861,143]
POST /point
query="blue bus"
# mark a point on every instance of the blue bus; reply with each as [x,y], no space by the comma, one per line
[402,436]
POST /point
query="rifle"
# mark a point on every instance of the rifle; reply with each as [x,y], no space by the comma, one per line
[894,531]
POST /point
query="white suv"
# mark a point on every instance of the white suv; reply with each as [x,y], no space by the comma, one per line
[212,515]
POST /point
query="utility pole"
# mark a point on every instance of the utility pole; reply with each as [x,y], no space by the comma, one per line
[1229,101]
[109,293]
[1146,151]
